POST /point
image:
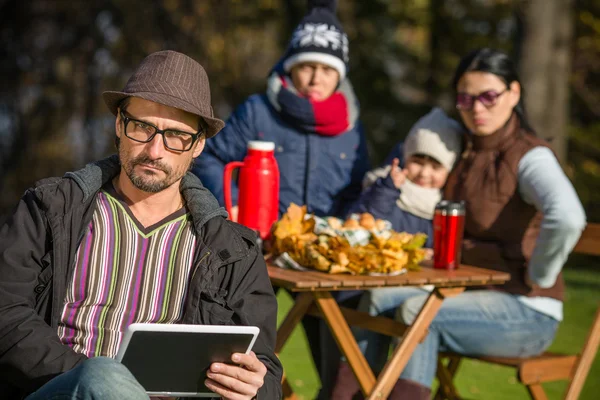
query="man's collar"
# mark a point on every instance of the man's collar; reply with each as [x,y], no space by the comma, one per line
[200,201]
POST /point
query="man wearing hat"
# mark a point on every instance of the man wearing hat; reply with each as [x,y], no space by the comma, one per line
[132,238]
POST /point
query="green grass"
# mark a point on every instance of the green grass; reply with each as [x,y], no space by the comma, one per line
[476,379]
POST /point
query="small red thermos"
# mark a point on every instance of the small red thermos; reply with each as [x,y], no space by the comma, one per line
[258,183]
[448,227]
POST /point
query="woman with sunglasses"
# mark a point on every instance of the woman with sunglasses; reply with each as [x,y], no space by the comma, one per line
[522,217]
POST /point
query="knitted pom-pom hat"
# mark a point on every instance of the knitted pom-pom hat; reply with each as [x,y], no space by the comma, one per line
[319,38]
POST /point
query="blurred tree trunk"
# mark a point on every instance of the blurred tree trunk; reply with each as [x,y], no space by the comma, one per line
[432,84]
[545,64]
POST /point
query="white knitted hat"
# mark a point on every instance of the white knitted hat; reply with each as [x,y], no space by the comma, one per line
[435,135]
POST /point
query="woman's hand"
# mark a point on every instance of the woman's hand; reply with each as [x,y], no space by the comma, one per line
[398,175]
[529,282]
[237,382]
[233,216]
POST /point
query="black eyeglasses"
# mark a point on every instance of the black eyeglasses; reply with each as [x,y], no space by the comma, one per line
[488,98]
[144,132]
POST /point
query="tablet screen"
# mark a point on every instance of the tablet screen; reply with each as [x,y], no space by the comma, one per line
[175,361]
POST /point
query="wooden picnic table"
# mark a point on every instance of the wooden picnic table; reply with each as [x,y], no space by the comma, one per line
[315,298]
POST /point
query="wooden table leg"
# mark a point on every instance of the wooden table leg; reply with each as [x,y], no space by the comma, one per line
[288,392]
[293,317]
[445,375]
[536,392]
[345,340]
[447,390]
[395,365]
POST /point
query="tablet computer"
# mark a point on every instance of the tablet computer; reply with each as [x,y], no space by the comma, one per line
[172,359]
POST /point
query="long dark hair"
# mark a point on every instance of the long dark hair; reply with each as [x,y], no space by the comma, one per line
[497,63]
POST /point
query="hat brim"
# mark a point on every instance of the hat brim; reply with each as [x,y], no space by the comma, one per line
[113,99]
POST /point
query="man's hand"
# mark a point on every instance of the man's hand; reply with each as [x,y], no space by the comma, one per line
[233,382]
[398,175]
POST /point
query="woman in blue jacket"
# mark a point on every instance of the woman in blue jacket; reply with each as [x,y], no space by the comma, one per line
[311,113]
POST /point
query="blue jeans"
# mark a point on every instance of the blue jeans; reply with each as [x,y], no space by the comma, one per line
[95,378]
[476,323]
[380,302]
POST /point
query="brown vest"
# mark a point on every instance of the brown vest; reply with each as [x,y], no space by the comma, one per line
[500,228]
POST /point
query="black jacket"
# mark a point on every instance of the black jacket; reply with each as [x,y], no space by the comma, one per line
[38,243]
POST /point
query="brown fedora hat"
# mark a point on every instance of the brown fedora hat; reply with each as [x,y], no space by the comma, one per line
[172,79]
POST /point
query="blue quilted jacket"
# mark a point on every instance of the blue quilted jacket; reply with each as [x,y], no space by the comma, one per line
[323,172]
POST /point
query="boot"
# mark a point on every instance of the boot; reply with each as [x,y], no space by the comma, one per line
[409,390]
[346,386]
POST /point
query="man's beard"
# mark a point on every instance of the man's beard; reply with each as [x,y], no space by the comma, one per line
[152,186]
[148,182]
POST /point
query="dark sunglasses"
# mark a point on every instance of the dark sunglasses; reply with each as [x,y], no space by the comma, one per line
[488,98]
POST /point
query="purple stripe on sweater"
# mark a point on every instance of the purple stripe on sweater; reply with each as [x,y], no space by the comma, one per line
[70,332]
[86,259]
[138,281]
[165,259]
[110,229]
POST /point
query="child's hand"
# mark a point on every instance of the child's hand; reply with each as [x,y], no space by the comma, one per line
[398,175]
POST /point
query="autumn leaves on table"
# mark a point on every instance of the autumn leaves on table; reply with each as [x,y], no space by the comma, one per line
[359,245]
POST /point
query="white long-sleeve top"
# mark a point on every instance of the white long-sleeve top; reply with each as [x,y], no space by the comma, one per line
[543,184]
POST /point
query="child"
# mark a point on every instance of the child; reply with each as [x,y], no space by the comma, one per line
[406,197]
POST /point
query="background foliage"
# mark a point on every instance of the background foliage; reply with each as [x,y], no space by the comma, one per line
[57,56]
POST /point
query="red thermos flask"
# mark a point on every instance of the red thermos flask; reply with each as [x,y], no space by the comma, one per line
[448,228]
[258,184]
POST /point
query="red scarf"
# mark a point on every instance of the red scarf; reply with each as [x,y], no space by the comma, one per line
[330,117]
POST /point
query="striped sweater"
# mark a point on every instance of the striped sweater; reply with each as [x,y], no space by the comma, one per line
[125,273]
